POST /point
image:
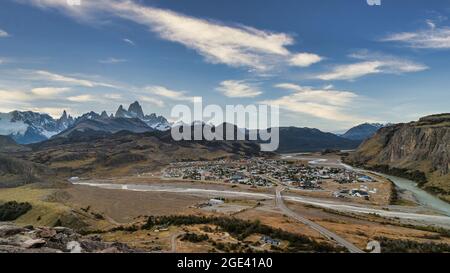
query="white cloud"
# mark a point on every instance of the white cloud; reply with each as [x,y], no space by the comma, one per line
[128,41]
[55,112]
[351,71]
[3,34]
[324,104]
[304,59]
[432,38]
[114,96]
[290,86]
[58,78]
[14,95]
[82,98]
[371,63]
[328,87]
[49,91]
[112,61]
[155,101]
[238,89]
[233,45]
[168,93]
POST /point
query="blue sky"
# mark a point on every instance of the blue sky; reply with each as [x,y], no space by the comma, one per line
[328,64]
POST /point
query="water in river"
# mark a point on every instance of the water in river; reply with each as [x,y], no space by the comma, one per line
[422,196]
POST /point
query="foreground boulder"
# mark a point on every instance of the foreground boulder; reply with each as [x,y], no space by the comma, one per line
[14,239]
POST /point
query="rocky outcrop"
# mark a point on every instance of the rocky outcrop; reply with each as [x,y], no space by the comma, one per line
[15,239]
[413,148]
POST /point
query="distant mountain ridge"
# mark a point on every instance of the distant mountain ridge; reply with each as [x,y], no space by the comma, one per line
[294,139]
[362,131]
[31,127]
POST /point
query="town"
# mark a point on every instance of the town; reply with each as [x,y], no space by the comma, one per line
[259,172]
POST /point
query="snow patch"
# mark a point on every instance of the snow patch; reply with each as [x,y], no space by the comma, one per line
[11,128]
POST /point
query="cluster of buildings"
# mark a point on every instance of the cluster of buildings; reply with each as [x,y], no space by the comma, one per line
[228,171]
[361,192]
[311,177]
[261,172]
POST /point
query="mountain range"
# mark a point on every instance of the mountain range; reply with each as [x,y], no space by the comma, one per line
[31,127]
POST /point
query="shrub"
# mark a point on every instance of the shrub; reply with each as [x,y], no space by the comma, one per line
[406,246]
[194,238]
[10,211]
[241,229]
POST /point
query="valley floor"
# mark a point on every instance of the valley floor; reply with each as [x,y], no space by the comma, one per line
[117,209]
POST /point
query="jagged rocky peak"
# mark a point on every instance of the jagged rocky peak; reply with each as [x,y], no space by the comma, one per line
[65,119]
[121,113]
[64,115]
[135,110]
[104,115]
[90,115]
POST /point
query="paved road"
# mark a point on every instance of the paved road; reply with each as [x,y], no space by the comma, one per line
[325,232]
[439,220]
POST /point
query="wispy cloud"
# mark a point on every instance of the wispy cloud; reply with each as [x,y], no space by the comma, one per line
[42,75]
[82,98]
[152,100]
[49,91]
[3,33]
[371,63]
[14,95]
[219,43]
[128,41]
[324,104]
[112,61]
[433,37]
[238,89]
[165,92]
[52,111]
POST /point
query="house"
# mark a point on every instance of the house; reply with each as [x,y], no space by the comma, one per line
[215,201]
[365,179]
[268,240]
[359,193]
[74,179]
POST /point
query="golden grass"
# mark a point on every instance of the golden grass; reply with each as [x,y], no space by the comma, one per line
[47,213]
[43,213]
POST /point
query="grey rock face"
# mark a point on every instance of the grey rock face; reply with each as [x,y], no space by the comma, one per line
[422,146]
[14,239]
